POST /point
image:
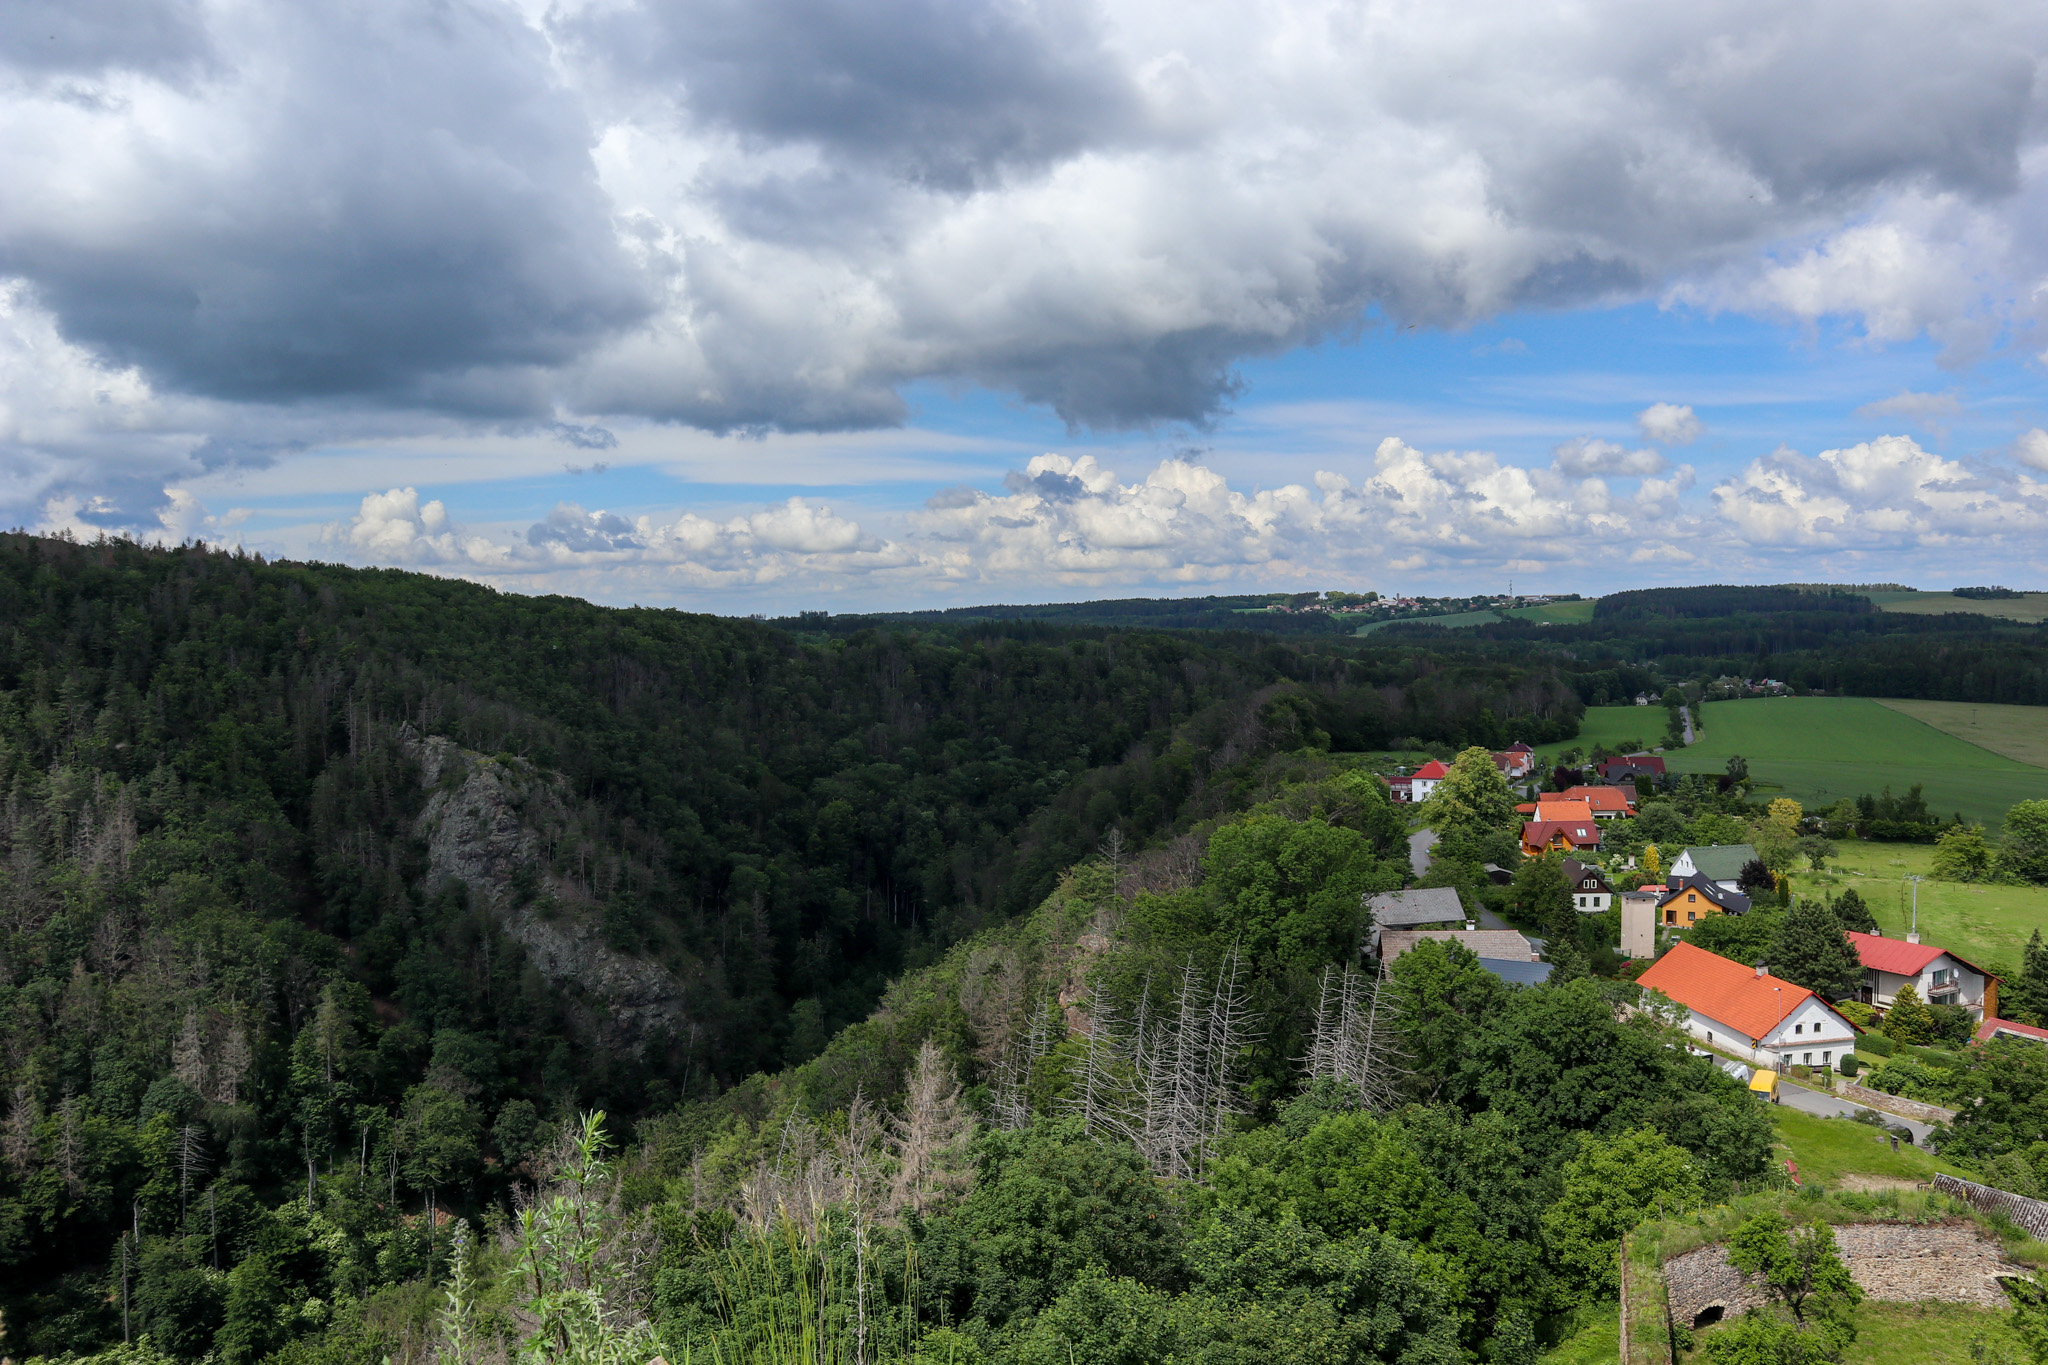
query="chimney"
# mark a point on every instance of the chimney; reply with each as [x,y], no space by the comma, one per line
[1471,926]
[1913,938]
[1759,971]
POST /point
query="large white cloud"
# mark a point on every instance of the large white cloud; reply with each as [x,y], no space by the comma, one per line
[1883,494]
[296,220]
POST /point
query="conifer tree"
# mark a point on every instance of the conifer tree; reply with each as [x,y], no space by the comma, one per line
[1908,1020]
[1810,951]
[1854,912]
[2026,996]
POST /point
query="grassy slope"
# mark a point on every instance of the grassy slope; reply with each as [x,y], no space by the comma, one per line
[1918,1334]
[1986,924]
[1573,613]
[1818,750]
[1828,1149]
[2031,608]
[2018,732]
[1594,1339]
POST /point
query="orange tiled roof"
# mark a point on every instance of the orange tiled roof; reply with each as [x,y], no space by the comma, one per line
[1723,990]
[1599,798]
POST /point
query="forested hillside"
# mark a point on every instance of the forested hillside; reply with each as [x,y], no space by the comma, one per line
[318,875]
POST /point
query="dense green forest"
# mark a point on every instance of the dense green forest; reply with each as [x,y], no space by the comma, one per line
[996,964]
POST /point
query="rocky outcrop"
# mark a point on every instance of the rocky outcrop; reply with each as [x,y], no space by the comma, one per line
[482,827]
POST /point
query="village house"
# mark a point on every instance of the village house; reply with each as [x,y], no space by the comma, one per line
[1693,899]
[2006,1028]
[1411,909]
[1940,977]
[1591,893]
[1505,953]
[1719,863]
[1426,777]
[1517,760]
[1747,1011]
[1559,836]
[1628,766]
[1607,803]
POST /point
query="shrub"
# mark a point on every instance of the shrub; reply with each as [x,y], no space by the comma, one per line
[1876,1044]
[1856,1012]
[1850,1065]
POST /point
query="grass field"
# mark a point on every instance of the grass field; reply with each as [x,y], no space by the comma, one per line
[2018,732]
[1986,924]
[1556,613]
[1828,1149]
[1919,1334]
[2033,607]
[1818,750]
[1483,617]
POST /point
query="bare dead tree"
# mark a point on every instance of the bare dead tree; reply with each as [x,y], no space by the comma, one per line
[1356,1038]
[69,1145]
[188,1054]
[233,1068]
[189,1158]
[1009,1099]
[929,1139]
[18,1133]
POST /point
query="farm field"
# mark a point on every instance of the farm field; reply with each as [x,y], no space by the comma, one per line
[2033,607]
[1557,613]
[1986,924]
[1818,750]
[2018,732]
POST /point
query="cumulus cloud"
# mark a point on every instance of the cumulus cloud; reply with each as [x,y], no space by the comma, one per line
[1886,493]
[774,214]
[2031,449]
[394,527]
[1588,455]
[1671,424]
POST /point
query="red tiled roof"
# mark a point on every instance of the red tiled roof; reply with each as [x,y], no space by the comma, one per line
[1894,955]
[1723,990]
[1991,1028]
[1599,798]
[1433,768]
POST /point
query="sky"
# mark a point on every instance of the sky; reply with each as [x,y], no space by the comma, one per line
[768,305]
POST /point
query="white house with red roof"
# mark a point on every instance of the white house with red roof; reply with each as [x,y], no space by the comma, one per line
[1749,1012]
[1426,777]
[1940,977]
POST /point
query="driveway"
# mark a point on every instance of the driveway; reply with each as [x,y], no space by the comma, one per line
[1419,845]
[1827,1106]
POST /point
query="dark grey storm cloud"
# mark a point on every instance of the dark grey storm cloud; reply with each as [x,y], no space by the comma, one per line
[405,199]
[939,91]
[224,224]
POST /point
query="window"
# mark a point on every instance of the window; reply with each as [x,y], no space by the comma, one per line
[1827,1058]
[1806,1059]
[1799,1028]
[1690,917]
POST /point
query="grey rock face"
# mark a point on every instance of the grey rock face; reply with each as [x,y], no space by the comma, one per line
[482,826]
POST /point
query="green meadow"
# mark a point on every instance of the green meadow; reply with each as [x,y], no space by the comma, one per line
[1556,613]
[2031,608]
[1818,750]
[1988,924]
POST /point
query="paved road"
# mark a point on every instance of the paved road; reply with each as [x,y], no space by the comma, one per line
[1685,714]
[1419,844]
[1827,1106]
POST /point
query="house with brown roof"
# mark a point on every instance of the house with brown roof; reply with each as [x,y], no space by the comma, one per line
[1940,977]
[1630,766]
[1749,1012]
[1606,803]
[1560,836]
[1591,892]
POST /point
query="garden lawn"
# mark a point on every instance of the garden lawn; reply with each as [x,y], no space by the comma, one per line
[1920,1334]
[1818,750]
[1987,924]
[2033,607]
[2018,732]
[1826,1150]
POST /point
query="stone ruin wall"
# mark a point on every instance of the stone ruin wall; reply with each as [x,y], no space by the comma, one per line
[1893,1262]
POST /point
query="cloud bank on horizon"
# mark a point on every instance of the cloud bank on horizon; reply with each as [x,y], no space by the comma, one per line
[237,230]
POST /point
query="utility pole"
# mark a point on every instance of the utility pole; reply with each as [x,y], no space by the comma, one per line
[124,1292]
[1913,932]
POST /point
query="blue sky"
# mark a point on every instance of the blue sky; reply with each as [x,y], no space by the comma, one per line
[792,303]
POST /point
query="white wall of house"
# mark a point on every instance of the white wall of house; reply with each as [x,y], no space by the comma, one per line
[1421,787]
[1942,981]
[1592,902]
[1812,1035]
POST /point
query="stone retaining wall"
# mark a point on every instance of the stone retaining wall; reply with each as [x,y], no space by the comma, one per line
[1894,1104]
[1893,1262]
[2030,1214]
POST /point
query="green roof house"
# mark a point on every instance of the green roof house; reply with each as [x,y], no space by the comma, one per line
[1719,863]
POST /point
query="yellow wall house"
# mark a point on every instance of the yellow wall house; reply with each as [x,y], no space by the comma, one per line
[1695,899]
